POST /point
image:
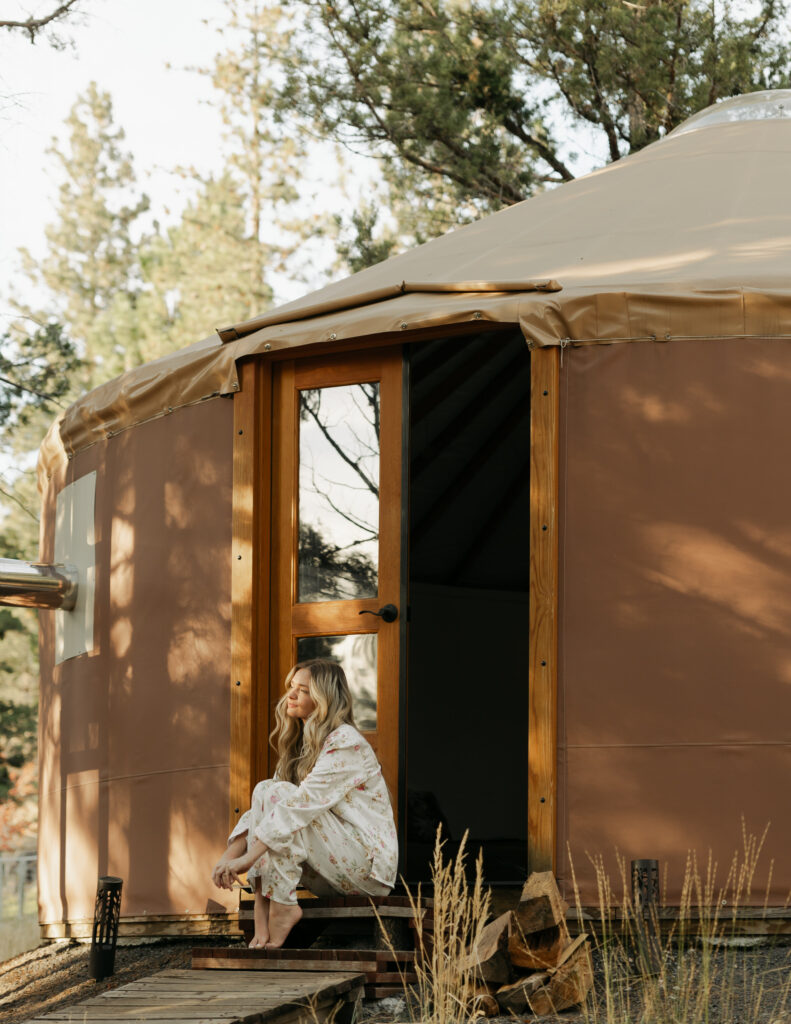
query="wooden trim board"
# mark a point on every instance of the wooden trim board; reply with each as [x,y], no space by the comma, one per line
[250,547]
[543,643]
[152,924]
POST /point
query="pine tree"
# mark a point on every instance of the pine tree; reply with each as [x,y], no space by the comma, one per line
[473,106]
[89,274]
[266,153]
[266,146]
[205,271]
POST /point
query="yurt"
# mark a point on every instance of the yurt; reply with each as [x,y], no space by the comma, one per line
[528,482]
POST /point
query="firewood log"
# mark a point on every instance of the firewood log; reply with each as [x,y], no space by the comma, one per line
[489,958]
[515,997]
[538,951]
[484,1003]
[540,905]
[566,986]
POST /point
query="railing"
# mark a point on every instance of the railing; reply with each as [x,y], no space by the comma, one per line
[18,896]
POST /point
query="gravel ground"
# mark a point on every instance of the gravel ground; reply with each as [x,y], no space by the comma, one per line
[55,976]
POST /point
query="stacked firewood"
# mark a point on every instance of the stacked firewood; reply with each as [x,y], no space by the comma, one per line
[526,962]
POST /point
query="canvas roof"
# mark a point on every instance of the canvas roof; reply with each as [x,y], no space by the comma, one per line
[689,238]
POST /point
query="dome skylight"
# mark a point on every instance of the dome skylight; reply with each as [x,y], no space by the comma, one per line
[770,104]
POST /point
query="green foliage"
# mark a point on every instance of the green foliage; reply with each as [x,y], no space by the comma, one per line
[8,623]
[17,746]
[360,248]
[266,159]
[203,272]
[477,105]
[89,271]
[324,560]
[34,373]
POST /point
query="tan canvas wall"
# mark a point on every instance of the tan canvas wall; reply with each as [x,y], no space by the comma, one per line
[675,603]
[135,734]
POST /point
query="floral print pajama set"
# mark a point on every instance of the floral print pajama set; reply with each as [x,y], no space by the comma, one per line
[333,833]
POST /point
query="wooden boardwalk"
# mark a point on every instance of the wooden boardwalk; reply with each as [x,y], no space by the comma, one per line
[220,997]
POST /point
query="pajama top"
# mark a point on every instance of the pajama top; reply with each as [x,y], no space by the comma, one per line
[347,781]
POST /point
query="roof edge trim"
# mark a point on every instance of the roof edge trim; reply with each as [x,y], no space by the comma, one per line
[284,316]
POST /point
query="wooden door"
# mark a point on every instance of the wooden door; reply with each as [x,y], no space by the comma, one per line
[336,531]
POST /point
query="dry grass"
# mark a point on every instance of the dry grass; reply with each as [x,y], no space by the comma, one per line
[698,969]
[445,988]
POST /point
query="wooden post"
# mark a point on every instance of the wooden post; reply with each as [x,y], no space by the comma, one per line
[249,581]
[542,718]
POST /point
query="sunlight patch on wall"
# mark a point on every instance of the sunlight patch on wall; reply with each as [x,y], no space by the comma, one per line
[75,542]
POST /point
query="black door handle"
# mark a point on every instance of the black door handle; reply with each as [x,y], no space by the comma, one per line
[389,613]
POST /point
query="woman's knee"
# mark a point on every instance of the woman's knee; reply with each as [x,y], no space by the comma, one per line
[269,788]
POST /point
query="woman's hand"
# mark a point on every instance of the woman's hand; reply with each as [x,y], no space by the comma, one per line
[227,872]
[229,868]
[234,850]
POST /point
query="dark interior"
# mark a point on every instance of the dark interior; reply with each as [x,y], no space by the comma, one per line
[468,589]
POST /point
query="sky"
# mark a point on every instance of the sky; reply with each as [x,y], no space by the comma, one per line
[125,46]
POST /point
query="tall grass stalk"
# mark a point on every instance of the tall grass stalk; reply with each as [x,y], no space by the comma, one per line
[446,974]
[700,973]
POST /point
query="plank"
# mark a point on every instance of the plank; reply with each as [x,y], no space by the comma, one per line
[344,912]
[244,954]
[191,997]
[381,991]
[288,965]
[364,901]
[543,640]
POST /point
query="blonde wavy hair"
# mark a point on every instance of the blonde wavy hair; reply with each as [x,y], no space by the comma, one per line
[298,743]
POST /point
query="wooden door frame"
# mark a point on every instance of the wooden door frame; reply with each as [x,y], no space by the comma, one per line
[252,450]
[250,553]
[542,742]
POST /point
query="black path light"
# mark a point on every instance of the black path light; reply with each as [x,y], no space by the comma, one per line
[105,927]
[645,896]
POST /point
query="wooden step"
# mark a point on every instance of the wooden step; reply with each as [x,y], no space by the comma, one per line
[380,968]
[355,906]
[379,922]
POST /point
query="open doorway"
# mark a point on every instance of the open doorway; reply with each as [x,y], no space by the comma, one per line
[468,586]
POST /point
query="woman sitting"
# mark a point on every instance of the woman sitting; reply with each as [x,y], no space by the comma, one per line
[325,821]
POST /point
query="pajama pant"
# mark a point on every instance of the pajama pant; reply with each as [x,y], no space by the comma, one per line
[326,857]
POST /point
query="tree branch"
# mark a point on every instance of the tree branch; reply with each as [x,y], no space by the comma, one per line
[30,391]
[18,501]
[34,25]
[541,148]
[349,461]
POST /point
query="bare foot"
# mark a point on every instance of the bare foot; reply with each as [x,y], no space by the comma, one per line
[282,918]
[261,917]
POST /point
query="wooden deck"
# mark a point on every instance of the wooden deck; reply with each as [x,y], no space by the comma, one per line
[220,997]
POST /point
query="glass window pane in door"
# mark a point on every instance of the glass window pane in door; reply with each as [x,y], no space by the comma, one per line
[338,493]
[357,654]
